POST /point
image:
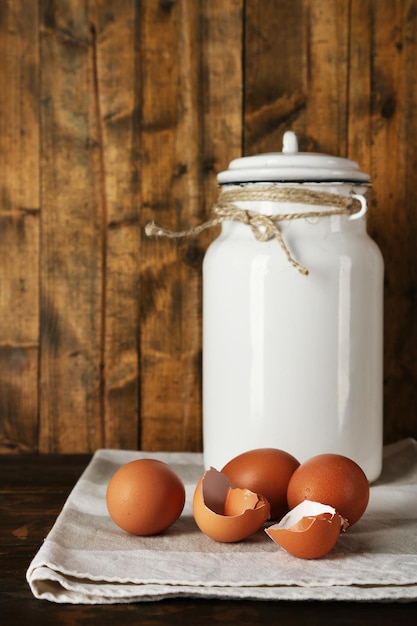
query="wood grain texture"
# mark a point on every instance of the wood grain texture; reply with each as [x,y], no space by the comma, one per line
[114,114]
[276,91]
[19,226]
[73,211]
[90,234]
[114,42]
[394,217]
[296,74]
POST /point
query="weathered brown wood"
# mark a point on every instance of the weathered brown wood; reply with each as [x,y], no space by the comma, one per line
[359,121]
[90,233]
[296,74]
[113,28]
[72,217]
[183,91]
[327,74]
[113,114]
[382,130]
[394,217]
[19,226]
[167,287]
[26,522]
[275,90]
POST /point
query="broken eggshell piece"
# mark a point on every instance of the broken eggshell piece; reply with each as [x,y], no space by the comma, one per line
[226,513]
[309,531]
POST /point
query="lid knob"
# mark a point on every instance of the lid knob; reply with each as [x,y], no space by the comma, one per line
[289,142]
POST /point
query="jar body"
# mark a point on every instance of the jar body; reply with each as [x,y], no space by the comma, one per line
[291,361]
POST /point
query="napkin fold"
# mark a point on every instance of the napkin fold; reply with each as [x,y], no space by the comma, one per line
[87,559]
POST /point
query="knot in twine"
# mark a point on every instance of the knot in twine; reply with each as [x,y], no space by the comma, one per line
[265,227]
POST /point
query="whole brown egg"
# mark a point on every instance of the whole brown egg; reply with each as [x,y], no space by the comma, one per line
[331,479]
[145,496]
[266,471]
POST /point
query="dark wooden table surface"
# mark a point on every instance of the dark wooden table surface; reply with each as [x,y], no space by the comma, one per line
[33,490]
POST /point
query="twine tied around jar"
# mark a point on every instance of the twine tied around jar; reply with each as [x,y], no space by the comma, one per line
[265,227]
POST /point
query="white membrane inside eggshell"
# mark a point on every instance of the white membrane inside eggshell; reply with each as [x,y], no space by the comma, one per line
[307,508]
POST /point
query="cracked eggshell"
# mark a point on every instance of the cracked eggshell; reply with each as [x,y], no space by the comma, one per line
[309,531]
[225,513]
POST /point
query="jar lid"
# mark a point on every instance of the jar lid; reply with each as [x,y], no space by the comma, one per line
[292,166]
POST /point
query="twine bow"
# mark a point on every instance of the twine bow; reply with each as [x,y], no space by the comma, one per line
[265,227]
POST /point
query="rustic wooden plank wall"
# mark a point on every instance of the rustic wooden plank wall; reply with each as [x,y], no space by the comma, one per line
[115,113]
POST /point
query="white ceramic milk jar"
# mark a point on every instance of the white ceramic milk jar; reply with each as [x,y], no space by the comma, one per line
[292,312]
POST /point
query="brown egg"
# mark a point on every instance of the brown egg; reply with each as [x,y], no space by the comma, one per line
[144,497]
[266,471]
[331,479]
[225,513]
[309,531]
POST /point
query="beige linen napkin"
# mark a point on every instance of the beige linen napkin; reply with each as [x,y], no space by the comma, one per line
[87,559]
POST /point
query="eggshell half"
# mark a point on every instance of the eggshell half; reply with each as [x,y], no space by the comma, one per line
[225,513]
[309,531]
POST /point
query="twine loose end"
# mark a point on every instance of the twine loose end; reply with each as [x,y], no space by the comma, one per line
[150,229]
